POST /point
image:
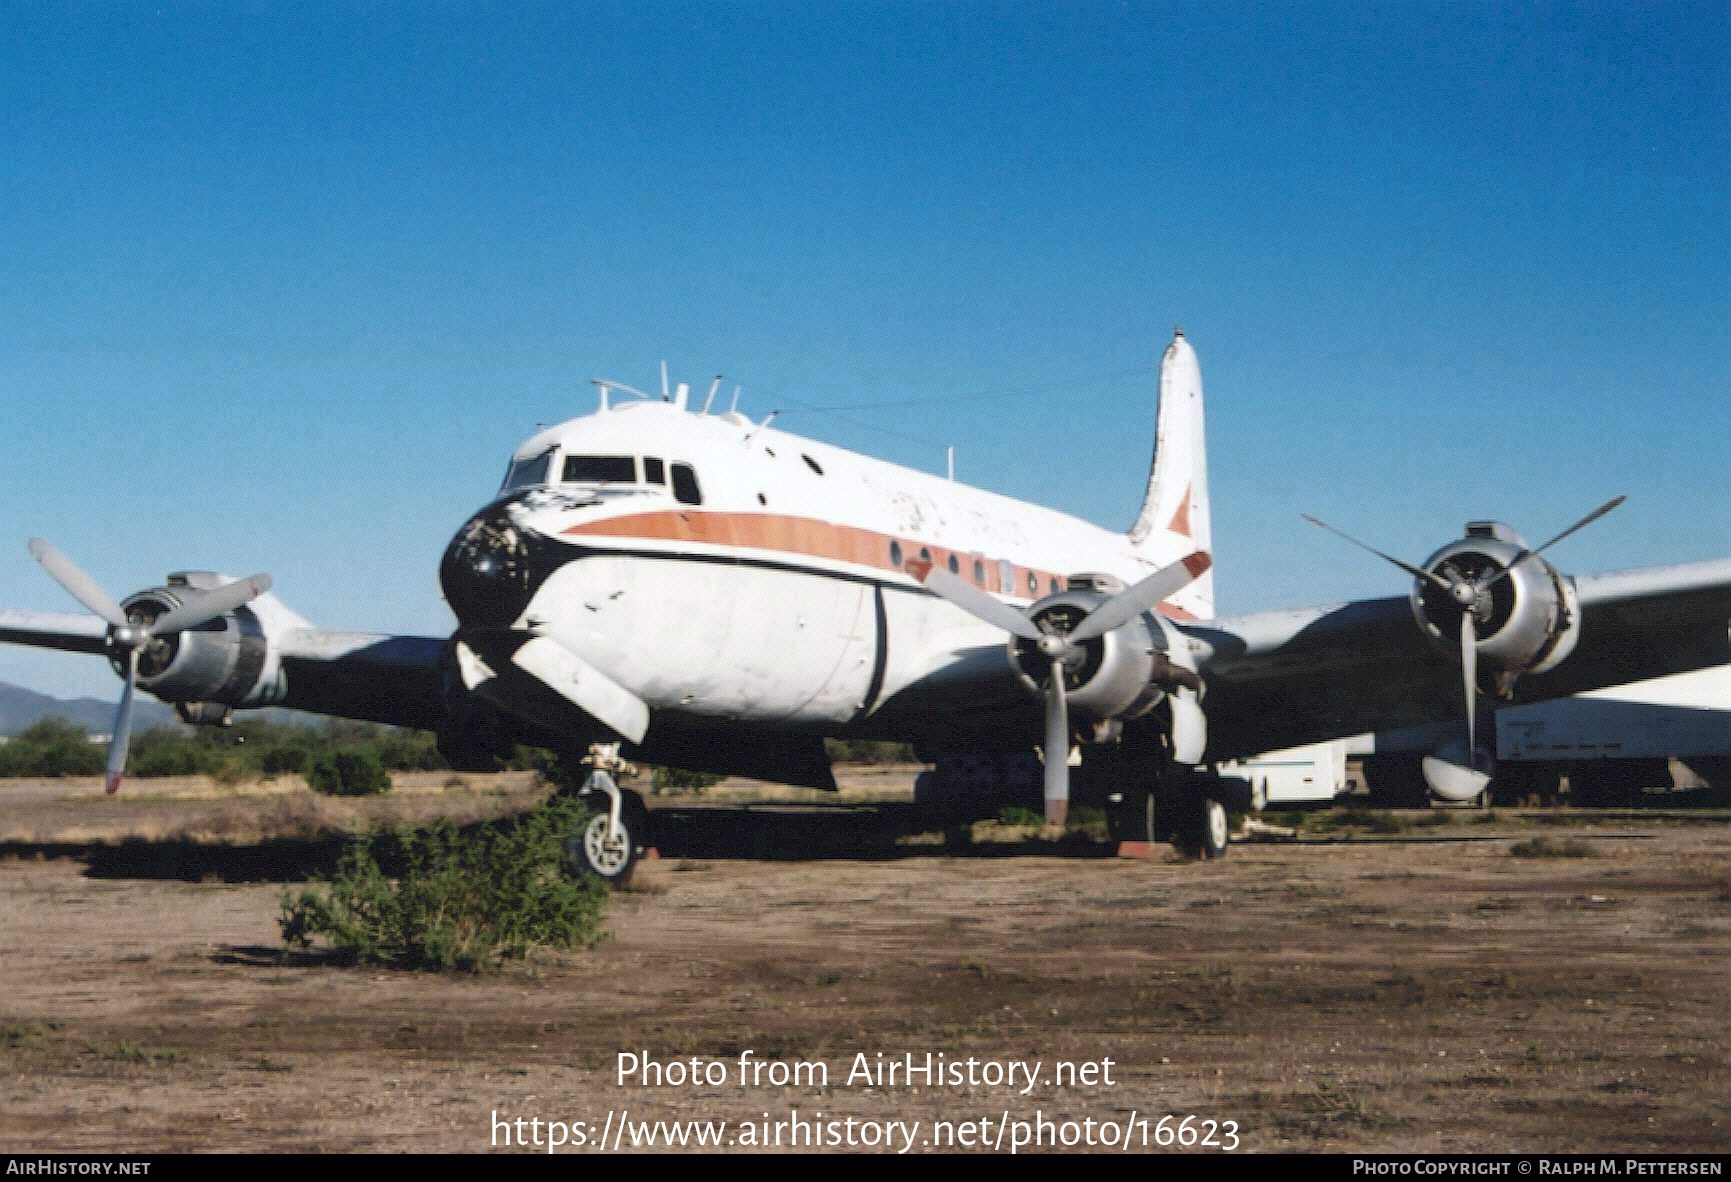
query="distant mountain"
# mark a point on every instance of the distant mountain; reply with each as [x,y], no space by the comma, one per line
[21,708]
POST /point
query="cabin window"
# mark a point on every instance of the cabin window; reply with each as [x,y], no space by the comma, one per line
[1054,586]
[523,473]
[955,567]
[600,470]
[896,555]
[979,573]
[1033,583]
[685,489]
[654,471]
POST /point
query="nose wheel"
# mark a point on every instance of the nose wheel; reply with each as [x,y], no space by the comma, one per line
[610,843]
[606,850]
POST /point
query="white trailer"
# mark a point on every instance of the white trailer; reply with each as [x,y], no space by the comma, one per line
[1614,745]
[1314,774]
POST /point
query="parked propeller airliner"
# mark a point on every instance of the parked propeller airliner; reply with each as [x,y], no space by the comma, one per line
[716,594]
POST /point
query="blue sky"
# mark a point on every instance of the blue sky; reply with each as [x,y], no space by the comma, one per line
[281,285]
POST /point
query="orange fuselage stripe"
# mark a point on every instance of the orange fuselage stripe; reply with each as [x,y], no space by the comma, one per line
[814,538]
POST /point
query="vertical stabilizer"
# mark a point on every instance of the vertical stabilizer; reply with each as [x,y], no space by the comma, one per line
[1174,517]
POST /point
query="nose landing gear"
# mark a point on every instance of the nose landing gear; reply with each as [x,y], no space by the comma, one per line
[610,844]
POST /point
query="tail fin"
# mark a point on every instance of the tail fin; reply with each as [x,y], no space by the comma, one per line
[1174,516]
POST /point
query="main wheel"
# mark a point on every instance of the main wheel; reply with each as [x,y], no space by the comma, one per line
[1204,833]
[1132,818]
[610,857]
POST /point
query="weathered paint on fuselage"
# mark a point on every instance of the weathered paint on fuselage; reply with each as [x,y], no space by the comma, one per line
[786,596]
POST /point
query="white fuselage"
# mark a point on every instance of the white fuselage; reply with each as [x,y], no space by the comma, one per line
[786,590]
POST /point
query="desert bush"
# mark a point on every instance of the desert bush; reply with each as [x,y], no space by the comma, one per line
[348,773]
[52,747]
[461,901]
[869,751]
[678,779]
[1551,847]
[285,759]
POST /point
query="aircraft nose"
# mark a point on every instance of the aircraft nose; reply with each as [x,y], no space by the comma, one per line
[487,573]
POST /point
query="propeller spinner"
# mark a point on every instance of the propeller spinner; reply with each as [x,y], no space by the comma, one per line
[1060,643]
[130,635]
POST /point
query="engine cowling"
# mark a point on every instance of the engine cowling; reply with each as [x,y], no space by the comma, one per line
[1122,674]
[225,662]
[1527,620]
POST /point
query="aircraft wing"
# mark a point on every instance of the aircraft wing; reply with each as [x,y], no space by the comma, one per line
[71,632]
[371,676]
[379,678]
[1282,679]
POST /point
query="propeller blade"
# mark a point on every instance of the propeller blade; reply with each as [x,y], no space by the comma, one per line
[1470,677]
[1056,786]
[1416,572]
[79,585]
[199,607]
[978,604]
[122,737]
[1581,524]
[1133,601]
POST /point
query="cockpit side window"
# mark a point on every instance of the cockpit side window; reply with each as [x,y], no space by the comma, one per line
[654,471]
[685,489]
[523,473]
[600,470]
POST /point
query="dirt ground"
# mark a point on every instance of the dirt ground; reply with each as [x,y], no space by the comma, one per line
[1429,991]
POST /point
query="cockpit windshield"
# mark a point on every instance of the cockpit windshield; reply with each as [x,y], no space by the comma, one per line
[554,467]
[524,473]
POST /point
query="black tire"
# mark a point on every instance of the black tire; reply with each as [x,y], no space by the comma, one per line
[613,862]
[1205,832]
[1132,819]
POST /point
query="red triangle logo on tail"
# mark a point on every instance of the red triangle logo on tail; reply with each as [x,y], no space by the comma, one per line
[1180,523]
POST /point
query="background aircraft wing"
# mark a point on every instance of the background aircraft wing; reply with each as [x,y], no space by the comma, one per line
[1281,679]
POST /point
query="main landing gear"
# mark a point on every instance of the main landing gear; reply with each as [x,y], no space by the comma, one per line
[1181,810]
[611,842]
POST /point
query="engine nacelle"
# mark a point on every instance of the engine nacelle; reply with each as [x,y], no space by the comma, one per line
[1527,621]
[1122,674]
[226,662]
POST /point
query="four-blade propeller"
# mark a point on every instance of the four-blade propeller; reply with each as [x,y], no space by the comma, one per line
[1062,647]
[129,635]
[1472,596]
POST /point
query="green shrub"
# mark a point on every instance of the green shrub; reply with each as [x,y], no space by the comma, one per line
[52,747]
[869,751]
[285,759]
[462,901]
[349,773]
[1551,847]
[677,779]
